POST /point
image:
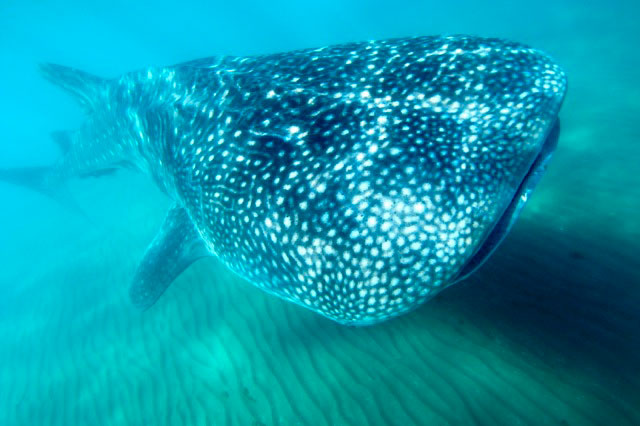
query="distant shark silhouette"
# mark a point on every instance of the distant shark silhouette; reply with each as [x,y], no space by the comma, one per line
[356,180]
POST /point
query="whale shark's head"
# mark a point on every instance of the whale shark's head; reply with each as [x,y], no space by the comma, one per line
[501,225]
[481,139]
[444,141]
[506,135]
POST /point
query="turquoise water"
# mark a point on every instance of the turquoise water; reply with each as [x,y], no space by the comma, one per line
[547,332]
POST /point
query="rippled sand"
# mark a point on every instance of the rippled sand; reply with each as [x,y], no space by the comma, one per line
[546,333]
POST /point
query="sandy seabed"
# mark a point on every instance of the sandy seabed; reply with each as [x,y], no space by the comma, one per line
[547,332]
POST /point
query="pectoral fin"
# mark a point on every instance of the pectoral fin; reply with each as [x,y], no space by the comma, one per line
[176,246]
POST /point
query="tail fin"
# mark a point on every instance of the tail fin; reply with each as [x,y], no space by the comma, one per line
[44,180]
[84,153]
[84,87]
[36,178]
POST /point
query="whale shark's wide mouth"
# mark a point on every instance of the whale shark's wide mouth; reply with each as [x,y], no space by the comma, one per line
[511,213]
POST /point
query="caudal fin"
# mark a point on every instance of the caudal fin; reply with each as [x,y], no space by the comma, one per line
[44,180]
[84,87]
[86,152]
[40,179]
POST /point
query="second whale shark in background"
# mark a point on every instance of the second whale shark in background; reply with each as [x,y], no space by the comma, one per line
[356,180]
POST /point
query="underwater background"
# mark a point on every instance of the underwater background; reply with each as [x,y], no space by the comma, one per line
[546,332]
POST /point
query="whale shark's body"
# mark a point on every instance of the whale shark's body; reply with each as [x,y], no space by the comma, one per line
[356,180]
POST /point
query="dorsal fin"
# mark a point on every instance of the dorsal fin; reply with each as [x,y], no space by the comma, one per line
[176,246]
[84,87]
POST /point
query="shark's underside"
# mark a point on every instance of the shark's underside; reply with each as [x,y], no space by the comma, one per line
[357,180]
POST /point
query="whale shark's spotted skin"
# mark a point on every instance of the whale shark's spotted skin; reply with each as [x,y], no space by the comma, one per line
[356,180]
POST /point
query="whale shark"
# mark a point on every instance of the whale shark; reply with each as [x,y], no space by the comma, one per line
[356,180]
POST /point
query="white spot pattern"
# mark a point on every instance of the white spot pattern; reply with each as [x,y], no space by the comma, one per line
[356,180]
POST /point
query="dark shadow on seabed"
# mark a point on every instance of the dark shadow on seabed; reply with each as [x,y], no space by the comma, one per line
[545,332]
[570,300]
[551,309]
